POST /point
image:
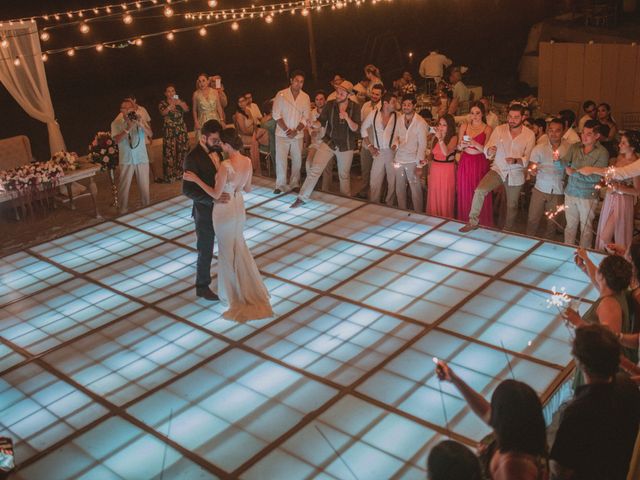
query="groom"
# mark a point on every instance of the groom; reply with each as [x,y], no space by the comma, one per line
[199,162]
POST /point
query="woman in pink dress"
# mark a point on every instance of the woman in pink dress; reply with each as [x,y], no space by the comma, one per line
[616,217]
[441,181]
[473,164]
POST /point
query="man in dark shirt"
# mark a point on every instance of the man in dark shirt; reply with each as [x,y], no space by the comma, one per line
[341,118]
[199,162]
[598,428]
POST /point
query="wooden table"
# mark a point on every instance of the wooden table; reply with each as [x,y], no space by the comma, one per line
[86,171]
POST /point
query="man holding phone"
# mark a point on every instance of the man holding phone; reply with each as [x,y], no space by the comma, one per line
[199,161]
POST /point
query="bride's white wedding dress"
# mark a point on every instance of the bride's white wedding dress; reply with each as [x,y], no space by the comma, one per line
[239,282]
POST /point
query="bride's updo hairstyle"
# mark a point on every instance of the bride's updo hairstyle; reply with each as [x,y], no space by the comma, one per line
[231,138]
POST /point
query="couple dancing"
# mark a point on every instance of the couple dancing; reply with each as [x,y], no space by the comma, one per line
[216,187]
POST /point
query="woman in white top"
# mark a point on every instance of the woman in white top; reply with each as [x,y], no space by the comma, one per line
[239,282]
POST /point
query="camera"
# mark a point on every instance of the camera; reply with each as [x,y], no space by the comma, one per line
[132,116]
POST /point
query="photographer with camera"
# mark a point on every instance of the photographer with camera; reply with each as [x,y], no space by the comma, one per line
[129,133]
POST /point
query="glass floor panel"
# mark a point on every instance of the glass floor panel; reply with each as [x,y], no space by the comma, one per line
[260,235]
[381,227]
[337,340]
[318,261]
[60,314]
[96,246]
[233,407]
[322,208]
[414,288]
[124,360]
[482,251]
[106,350]
[552,265]
[37,410]
[152,275]
[22,274]
[409,381]
[284,298]
[115,449]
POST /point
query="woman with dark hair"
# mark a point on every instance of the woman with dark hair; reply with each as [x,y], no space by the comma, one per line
[616,217]
[239,283]
[268,123]
[451,460]
[251,134]
[605,118]
[441,181]
[473,164]
[515,414]
[175,141]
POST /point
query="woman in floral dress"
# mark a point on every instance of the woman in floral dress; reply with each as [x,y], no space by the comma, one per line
[175,145]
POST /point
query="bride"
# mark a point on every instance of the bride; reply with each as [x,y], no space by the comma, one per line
[239,283]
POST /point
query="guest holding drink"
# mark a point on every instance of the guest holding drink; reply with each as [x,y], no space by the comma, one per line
[175,143]
[441,181]
[473,164]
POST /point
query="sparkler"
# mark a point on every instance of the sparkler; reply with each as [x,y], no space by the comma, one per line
[552,214]
[166,445]
[444,410]
[504,350]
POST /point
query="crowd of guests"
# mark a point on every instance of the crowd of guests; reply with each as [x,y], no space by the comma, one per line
[457,160]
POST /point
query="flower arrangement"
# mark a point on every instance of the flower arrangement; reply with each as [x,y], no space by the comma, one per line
[28,178]
[67,160]
[103,151]
[409,89]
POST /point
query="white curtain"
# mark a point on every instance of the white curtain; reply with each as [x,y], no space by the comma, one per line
[27,81]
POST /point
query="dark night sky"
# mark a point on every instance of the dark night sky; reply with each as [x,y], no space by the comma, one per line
[487,35]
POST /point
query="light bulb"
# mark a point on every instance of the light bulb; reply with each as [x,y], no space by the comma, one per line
[212,3]
[84,28]
[138,42]
[304,12]
[203,32]
[168,12]
[71,52]
[16,62]
[235,26]
[99,47]
[268,19]
[4,43]
[45,57]
[44,36]
[170,36]
[127,19]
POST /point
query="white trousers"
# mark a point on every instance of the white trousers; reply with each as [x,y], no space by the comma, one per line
[327,174]
[580,211]
[141,171]
[284,147]
[382,167]
[320,160]
[406,173]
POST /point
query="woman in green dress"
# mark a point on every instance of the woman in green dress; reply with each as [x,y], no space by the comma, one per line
[175,144]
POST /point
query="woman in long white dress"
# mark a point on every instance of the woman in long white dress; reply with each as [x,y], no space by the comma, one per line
[239,282]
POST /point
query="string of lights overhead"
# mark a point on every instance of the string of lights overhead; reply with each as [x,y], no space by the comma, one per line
[204,20]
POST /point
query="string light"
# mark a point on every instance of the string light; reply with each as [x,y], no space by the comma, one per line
[44,36]
[16,62]
[84,28]
[170,36]
[212,3]
[4,43]
[268,19]
[71,52]
[138,42]
[127,19]
[168,12]
[203,32]
[235,26]
[99,47]
[45,57]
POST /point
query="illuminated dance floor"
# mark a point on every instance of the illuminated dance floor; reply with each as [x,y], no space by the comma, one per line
[110,367]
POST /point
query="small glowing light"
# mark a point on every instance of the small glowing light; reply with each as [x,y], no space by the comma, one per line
[168,12]
[46,17]
[44,36]
[304,12]
[435,360]
[170,36]
[80,14]
[4,43]
[108,9]
[84,28]
[235,26]
[69,14]
[212,3]
[96,11]
[284,60]
[529,343]
[124,6]
[127,19]
[410,54]
[56,16]
[268,19]
[203,32]
[45,57]
[16,62]
[138,5]
[138,42]
[99,47]
[71,52]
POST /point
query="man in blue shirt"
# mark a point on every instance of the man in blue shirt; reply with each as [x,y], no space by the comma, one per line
[581,194]
[129,133]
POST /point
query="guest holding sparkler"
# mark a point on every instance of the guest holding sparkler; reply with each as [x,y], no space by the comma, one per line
[549,188]
[616,216]
[515,414]
[581,194]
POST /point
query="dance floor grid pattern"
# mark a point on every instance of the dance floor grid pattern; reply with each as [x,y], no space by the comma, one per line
[110,367]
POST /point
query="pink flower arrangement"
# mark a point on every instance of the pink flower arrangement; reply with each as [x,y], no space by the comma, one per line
[103,151]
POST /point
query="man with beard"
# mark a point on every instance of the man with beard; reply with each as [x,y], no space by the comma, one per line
[366,159]
[509,146]
[341,117]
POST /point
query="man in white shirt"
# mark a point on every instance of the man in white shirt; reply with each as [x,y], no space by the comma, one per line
[510,146]
[129,132]
[545,164]
[378,132]
[255,110]
[590,113]
[291,111]
[432,68]
[569,118]
[316,133]
[461,94]
[365,155]
[411,138]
